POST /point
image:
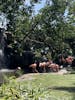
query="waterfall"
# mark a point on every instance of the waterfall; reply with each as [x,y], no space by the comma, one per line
[2,45]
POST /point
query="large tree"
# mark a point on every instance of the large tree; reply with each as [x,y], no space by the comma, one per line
[54,24]
[18,15]
[51,27]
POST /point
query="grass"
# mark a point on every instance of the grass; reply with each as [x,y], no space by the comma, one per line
[42,87]
[59,86]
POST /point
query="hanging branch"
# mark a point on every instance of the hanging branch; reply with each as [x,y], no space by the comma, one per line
[35,41]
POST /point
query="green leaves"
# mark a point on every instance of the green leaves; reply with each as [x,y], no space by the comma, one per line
[50,27]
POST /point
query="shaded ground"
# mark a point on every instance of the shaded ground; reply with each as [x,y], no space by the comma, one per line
[63,88]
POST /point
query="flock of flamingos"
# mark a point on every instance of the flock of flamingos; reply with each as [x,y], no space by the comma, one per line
[50,65]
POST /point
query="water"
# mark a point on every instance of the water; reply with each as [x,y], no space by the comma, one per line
[2,45]
[2,61]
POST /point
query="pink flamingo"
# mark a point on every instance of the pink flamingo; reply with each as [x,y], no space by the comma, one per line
[33,66]
[54,67]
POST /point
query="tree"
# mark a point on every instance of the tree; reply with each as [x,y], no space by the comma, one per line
[18,15]
[50,28]
[54,23]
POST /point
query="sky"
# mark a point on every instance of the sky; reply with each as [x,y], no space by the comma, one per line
[38,6]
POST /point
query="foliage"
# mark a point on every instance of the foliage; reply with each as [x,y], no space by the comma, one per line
[51,27]
[43,87]
[17,14]
[18,73]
